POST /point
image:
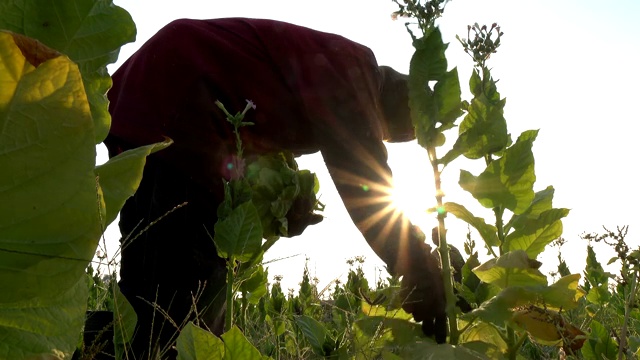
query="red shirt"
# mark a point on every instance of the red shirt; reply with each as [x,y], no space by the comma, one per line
[313,91]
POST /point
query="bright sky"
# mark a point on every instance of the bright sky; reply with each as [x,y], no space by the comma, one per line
[568,68]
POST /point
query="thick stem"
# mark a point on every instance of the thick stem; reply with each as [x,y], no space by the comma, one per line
[443,249]
[229,315]
[511,343]
[514,345]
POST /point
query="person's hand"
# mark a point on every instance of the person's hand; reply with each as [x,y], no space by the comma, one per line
[301,215]
[422,289]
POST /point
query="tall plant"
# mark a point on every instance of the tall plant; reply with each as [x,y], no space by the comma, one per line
[524,223]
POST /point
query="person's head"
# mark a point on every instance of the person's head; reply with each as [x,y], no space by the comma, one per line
[395,105]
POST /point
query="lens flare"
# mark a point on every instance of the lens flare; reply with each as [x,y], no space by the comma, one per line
[383,213]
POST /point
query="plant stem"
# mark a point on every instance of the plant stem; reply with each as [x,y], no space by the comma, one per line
[627,310]
[499,211]
[513,349]
[229,314]
[245,305]
[443,249]
[511,342]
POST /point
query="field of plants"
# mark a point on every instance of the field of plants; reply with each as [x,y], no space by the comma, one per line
[56,203]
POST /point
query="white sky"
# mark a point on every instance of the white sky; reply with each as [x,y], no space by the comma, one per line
[568,68]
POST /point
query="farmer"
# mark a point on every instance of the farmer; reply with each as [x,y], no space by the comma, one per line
[314,91]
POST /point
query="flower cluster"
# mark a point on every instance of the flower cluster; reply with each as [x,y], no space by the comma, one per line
[426,13]
[482,45]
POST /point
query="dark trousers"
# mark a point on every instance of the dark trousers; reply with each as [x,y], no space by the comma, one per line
[171,267]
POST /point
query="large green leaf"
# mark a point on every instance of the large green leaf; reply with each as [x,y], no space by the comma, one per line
[514,268]
[90,32]
[542,201]
[484,338]
[240,234]
[125,320]
[600,344]
[508,181]
[120,176]
[195,343]
[427,64]
[314,332]
[537,226]
[536,233]
[237,347]
[447,99]
[489,233]
[49,212]
[39,328]
[564,294]
[483,131]
[255,286]
[52,209]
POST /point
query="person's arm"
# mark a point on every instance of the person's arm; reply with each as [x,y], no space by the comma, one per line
[363,179]
[359,170]
[339,88]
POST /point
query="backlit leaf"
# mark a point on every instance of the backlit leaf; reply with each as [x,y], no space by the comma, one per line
[237,347]
[195,343]
[428,63]
[535,233]
[121,175]
[39,328]
[50,208]
[507,181]
[89,32]
[240,234]
[514,268]
[486,231]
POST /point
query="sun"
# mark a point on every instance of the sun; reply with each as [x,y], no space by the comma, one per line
[412,192]
[408,198]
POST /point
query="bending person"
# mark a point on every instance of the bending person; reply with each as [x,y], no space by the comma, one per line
[314,91]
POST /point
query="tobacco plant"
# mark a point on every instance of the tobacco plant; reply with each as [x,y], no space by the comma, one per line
[513,299]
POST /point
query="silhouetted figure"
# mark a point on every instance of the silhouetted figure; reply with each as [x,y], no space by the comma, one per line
[314,91]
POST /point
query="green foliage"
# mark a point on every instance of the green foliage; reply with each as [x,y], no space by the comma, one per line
[511,278]
[440,105]
[514,268]
[483,130]
[258,205]
[89,32]
[53,112]
[600,344]
[239,235]
[195,343]
[508,181]
[120,176]
[488,232]
[316,334]
[276,184]
[55,202]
